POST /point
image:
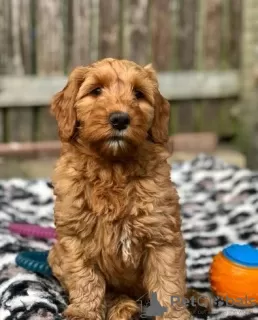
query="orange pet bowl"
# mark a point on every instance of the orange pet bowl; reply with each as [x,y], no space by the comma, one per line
[234,275]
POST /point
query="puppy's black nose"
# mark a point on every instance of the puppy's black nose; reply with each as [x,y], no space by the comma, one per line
[119,120]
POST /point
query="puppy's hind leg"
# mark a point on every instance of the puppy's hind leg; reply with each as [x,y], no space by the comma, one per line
[55,262]
[121,307]
[83,282]
[165,277]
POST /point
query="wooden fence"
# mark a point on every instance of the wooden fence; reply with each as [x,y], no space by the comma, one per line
[193,43]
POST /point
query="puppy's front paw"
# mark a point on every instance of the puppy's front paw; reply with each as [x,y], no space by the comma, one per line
[124,310]
[79,312]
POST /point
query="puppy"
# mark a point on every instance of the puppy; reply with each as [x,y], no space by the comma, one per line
[116,210]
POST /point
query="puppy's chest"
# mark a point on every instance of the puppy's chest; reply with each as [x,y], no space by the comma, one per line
[126,245]
[122,244]
[117,200]
[119,208]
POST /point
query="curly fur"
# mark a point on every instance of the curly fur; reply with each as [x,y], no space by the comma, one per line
[116,210]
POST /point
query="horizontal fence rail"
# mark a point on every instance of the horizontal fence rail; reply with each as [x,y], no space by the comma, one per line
[29,91]
[194,96]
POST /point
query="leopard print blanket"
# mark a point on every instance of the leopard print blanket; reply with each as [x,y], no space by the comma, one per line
[219,204]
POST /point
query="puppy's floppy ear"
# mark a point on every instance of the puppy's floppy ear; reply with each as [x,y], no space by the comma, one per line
[62,105]
[159,129]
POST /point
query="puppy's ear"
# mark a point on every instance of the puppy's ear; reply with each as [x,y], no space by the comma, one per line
[62,105]
[151,72]
[159,129]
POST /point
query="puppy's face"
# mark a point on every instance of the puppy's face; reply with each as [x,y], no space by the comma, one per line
[113,106]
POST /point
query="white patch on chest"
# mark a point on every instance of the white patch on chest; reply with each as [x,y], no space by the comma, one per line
[126,244]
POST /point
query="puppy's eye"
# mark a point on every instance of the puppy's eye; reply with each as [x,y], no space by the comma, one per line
[96,92]
[138,94]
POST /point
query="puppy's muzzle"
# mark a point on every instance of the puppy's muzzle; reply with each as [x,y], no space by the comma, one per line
[119,120]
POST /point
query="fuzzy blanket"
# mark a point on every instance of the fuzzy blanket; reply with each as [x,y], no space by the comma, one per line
[219,206]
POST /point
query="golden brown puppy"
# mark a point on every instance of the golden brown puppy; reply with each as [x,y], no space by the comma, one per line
[116,210]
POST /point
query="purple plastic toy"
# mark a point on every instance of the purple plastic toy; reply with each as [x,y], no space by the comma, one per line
[32,230]
[34,261]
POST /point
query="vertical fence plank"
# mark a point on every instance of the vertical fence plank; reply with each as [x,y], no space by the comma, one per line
[1,126]
[15,31]
[4,18]
[94,37]
[80,11]
[186,117]
[210,115]
[50,44]
[68,34]
[35,120]
[186,57]
[225,124]
[33,9]
[173,117]
[175,7]
[161,40]
[20,119]
[219,115]
[5,122]
[201,106]
[137,31]
[226,127]
[199,39]
[26,35]
[212,33]
[235,18]
[186,45]
[5,37]
[175,27]
[15,123]
[140,50]
[225,34]
[249,96]
[20,124]
[109,29]
[47,130]
[21,36]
